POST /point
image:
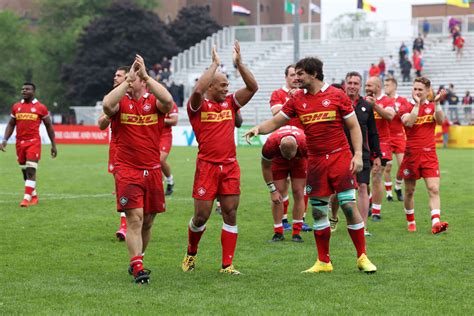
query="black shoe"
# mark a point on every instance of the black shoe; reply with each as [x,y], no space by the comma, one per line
[130,270]
[376,218]
[389,198]
[143,277]
[169,189]
[297,238]
[399,195]
[277,237]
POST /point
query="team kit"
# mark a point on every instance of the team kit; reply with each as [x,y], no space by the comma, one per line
[330,145]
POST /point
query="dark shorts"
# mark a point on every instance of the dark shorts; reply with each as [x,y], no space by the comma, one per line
[364,175]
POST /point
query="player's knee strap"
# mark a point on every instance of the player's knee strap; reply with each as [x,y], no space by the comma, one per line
[23,167]
[32,164]
[320,204]
[346,196]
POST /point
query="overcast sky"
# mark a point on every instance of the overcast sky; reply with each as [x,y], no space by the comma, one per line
[393,11]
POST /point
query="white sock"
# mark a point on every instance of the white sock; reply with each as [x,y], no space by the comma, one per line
[170,180]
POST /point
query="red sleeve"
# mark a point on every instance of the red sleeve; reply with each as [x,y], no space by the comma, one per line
[405,108]
[275,99]
[191,112]
[14,109]
[43,112]
[345,106]
[303,149]
[268,149]
[289,109]
[233,102]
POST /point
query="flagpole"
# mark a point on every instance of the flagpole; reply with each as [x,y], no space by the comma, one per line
[309,20]
[296,32]
[258,12]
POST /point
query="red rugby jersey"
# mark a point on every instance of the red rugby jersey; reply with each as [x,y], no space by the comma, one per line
[322,116]
[213,124]
[167,129]
[383,125]
[280,97]
[28,119]
[397,130]
[421,136]
[138,132]
[271,149]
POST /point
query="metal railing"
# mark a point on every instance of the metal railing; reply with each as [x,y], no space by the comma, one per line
[439,25]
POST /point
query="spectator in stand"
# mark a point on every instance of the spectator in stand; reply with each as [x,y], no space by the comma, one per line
[374,70]
[418,44]
[453,101]
[165,75]
[453,23]
[459,44]
[406,69]
[402,53]
[382,68]
[467,102]
[417,62]
[153,72]
[445,131]
[455,33]
[426,28]
[443,98]
[391,66]
[177,91]
[165,63]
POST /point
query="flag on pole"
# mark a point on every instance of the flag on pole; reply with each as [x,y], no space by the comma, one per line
[364,5]
[290,8]
[314,8]
[238,9]
[458,3]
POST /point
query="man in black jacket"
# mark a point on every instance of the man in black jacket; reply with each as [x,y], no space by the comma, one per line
[370,148]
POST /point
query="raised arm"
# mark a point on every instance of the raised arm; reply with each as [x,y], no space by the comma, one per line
[386,113]
[439,114]
[409,119]
[111,101]
[204,81]
[104,121]
[52,137]
[8,133]
[244,95]
[165,100]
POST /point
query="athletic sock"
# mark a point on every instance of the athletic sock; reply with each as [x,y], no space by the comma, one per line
[388,188]
[278,228]
[29,188]
[376,208]
[322,235]
[356,231]
[228,241]
[410,215]
[435,217]
[398,184]
[123,220]
[170,180]
[34,193]
[137,264]
[370,198]
[297,226]
[306,198]
[194,236]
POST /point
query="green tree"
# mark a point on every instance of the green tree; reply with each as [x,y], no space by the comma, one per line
[353,25]
[16,50]
[110,41]
[192,25]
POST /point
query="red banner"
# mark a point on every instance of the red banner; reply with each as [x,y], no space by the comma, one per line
[80,134]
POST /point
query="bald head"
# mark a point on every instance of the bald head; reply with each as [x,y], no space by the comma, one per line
[288,147]
[373,86]
[218,88]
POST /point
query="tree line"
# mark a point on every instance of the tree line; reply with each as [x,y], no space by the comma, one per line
[74,46]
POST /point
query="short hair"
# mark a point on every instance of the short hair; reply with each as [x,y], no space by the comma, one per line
[391,79]
[425,81]
[124,68]
[287,69]
[30,84]
[312,66]
[353,74]
[337,86]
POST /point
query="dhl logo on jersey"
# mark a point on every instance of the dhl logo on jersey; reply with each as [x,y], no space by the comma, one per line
[26,116]
[317,117]
[216,116]
[424,119]
[144,120]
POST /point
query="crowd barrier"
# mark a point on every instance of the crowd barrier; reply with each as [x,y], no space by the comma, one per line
[459,136]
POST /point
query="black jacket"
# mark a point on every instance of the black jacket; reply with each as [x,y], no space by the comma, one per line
[370,136]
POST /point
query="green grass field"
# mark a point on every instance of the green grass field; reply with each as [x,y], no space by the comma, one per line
[61,257]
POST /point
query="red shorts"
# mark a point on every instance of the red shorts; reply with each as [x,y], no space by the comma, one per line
[420,165]
[138,188]
[386,149]
[212,179]
[398,145]
[295,168]
[330,174]
[28,150]
[112,150]
[166,143]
